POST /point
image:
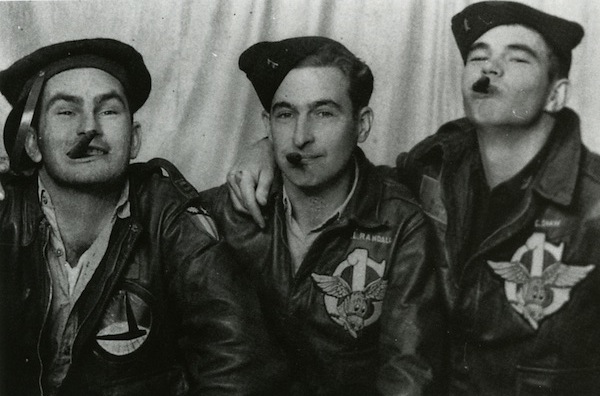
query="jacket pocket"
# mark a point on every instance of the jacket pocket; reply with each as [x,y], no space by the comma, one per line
[541,381]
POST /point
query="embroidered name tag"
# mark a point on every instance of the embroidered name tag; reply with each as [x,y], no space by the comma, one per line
[362,236]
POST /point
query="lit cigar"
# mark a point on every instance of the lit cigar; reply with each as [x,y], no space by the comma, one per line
[80,148]
[294,158]
[482,85]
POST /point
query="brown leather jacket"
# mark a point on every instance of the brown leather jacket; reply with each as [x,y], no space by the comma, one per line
[166,312]
[525,302]
[339,335]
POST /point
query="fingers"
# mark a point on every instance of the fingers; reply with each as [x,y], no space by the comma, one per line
[265,179]
[241,190]
[247,187]
[234,191]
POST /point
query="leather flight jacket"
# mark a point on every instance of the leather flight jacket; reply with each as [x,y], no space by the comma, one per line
[362,315]
[165,313]
[525,303]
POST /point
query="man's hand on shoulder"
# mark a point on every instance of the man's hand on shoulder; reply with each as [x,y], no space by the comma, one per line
[250,179]
[4,167]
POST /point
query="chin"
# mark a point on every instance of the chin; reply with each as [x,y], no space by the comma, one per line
[89,180]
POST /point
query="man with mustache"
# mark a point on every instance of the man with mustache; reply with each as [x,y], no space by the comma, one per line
[515,199]
[345,278]
[112,280]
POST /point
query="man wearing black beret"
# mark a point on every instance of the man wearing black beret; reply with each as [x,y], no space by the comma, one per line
[515,198]
[346,281]
[112,280]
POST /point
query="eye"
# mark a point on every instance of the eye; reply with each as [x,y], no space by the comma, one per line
[519,60]
[109,112]
[283,115]
[324,114]
[65,112]
[477,58]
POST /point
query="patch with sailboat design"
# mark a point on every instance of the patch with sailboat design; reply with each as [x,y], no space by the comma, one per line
[126,324]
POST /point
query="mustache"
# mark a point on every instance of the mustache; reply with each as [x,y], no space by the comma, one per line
[294,158]
[482,85]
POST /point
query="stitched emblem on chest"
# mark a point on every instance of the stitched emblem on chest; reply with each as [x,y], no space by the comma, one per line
[537,283]
[353,294]
[125,325]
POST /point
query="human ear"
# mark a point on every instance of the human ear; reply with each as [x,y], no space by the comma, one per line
[32,147]
[365,121]
[557,99]
[266,119]
[136,140]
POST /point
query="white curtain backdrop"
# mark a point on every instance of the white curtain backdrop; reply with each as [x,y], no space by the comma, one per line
[202,109]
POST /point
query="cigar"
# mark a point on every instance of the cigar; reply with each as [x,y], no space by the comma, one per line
[482,85]
[80,148]
[294,158]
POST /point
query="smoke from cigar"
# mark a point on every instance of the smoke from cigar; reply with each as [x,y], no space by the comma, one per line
[294,158]
[80,148]
[482,85]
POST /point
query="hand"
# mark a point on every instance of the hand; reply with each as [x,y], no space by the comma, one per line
[250,179]
[4,168]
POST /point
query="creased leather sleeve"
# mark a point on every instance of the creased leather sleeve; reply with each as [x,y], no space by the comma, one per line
[413,325]
[221,332]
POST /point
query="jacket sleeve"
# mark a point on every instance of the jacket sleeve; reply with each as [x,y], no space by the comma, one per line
[413,325]
[221,333]
[215,201]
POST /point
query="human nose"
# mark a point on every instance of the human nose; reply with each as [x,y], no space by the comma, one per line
[493,66]
[88,123]
[302,132]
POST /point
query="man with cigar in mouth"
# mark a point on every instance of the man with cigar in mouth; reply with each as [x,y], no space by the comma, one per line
[112,281]
[515,199]
[345,278]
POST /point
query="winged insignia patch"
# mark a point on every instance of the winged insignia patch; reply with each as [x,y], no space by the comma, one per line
[541,290]
[359,305]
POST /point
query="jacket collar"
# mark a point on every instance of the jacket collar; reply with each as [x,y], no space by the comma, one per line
[32,213]
[557,175]
[363,207]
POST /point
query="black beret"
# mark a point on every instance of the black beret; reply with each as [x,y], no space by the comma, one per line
[476,19]
[117,58]
[267,63]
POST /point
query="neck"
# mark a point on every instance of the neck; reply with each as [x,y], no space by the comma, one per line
[507,150]
[314,206]
[80,214]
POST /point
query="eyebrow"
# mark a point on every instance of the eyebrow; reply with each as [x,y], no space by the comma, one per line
[78,100]
[327,102]
[513,47]
[314,105]
[524,48]
[279,105]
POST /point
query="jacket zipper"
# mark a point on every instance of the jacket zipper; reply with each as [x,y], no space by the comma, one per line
[48,302]
[478,253]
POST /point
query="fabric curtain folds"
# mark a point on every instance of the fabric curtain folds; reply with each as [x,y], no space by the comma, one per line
[202,109]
